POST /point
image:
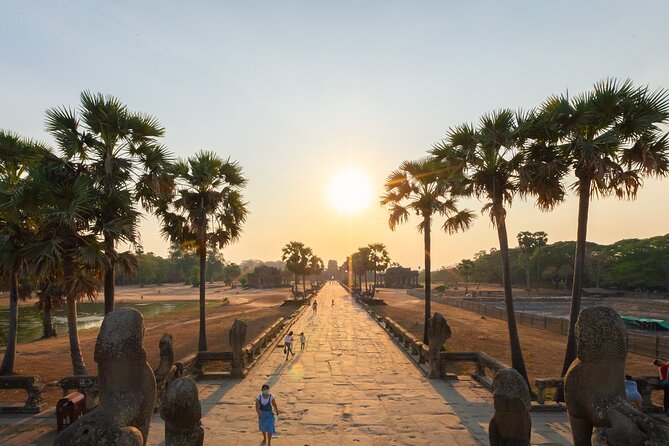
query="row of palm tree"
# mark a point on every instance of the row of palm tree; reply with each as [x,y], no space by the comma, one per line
[373,257]
[301,261]
[65,214]
[609,138]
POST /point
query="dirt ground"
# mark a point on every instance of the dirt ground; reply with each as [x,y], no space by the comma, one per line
[50,360]
[543,350]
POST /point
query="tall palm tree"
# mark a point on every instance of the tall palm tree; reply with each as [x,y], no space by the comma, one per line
[466,268]
[379,258]
[528,242]
[611,138]
[65,245]
[208,211]
[489,157]
[296,255]
[17,156]
[427,189]
[316,266]
[365,259]
[121,148]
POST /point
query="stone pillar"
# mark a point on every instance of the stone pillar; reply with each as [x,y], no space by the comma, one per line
[237,339]
[511,424]
[438,332]
[181,410]
[594,386]
[127,387]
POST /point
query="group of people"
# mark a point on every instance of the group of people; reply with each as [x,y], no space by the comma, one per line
[633,395]
[265,401]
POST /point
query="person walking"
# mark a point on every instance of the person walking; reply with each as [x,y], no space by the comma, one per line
[303,341]
[288,345]
[314,306]
[663,367]
[264,403]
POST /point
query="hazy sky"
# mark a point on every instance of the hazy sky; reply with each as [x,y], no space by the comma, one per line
[299,91]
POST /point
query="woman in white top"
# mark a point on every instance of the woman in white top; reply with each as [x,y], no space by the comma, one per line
[288,344]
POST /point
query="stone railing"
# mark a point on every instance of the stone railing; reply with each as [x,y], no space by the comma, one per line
[542,384]
[33,390]
[253,350]
[645,384]
[405,339]
[85,384]
[648,345]
[485,366]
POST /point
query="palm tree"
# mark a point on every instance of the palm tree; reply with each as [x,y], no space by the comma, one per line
[17,156]
[466,268]
[379,258]
[528,242]
[365,259]
[208,212]
[427,189]
[296,256]
[315,266]
[121,148]
[611,137]
[65,245]
[488,155]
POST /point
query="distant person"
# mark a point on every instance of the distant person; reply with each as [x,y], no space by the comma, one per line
[664,381]
[333,302]
[303,341]
[264,403]
[632,392]
[314,307]
[288,345]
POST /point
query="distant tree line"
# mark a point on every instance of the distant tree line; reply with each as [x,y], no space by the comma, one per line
[628,264]
[179,267]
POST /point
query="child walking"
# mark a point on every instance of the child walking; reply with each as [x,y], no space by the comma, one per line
[264,403]
[303,341]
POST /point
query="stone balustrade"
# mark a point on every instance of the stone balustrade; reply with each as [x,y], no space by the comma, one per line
[255,348]
[33,390]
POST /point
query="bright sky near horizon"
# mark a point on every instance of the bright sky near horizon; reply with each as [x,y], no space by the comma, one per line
[299,92]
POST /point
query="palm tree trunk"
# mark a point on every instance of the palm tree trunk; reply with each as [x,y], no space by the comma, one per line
[47,324]
[202,343]
[527,272]
[7,367]
[78,365]
[538,272]
[579,265]
[304,286]
[517,361]
[366,284]
[109,276]
[428,278]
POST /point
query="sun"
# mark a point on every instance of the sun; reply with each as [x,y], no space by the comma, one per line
[350,191]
